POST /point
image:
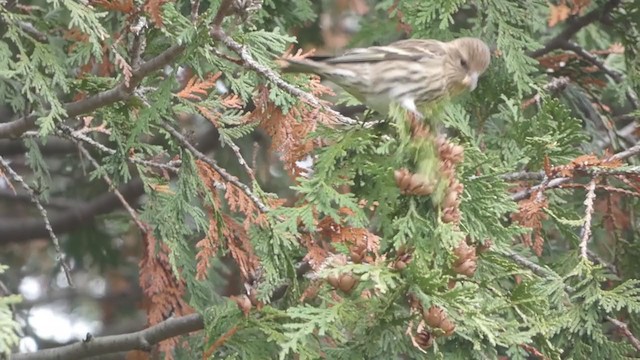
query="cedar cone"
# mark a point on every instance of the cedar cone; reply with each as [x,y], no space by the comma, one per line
[417,128]
[449,151]
[436,318]
[344,282]
[412,184]
[424,339]
[402,259]
[465,263]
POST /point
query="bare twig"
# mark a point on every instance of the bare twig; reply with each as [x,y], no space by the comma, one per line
[219,341]
[575,26]
[141,340]
[626,154]
[60,203]
[523,194]
[537,269]
[522,175]
[585,234]
[624,328]
[31,30]
[76,136]
[598,260]
[109,182]
[556,85]
[606,188]
[139,42]
[589,57]
[223,11]
[195,7]
[617,76]
[241,160]
[34,198]
[223,173]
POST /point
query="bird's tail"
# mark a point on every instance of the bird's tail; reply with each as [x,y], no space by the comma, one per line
[302,66]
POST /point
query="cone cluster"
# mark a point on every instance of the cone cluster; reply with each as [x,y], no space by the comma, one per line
[413,184]
[344,282]
[425,339]
[403,258]
[449,155]
[466,259]
[438,319]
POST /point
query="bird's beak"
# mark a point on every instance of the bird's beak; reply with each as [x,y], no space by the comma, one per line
[471,81]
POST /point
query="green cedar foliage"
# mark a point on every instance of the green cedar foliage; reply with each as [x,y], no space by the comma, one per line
[505,308]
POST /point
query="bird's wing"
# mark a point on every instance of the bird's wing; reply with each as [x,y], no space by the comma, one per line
[408,50]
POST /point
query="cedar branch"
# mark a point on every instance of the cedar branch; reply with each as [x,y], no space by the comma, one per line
[614,74]
[223,173]
[121,92]
[543,272]
[77,136]
[250,63]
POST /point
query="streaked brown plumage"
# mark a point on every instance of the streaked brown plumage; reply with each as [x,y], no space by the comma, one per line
[412,73]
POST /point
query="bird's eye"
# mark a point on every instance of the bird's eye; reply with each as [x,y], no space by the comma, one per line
[463,63]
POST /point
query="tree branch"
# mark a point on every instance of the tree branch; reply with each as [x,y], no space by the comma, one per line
[140,340]
[223,173]
[121,92]
[250,63]
[617,76]
[624,328]
[523,194]
[575,26]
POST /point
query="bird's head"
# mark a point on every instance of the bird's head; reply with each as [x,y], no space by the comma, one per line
[467,59]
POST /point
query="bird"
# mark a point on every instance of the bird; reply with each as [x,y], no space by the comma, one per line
[412,73]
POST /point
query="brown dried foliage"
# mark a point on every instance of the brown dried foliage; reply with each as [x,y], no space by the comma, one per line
[197,88]
[123,6]
[163,292]
[562,10]
[240,247]
[576,68]
[207,248]
[227,228]
[363,244]
[615,216]
[154,9]
[531,214]
[289,131]
[581,163]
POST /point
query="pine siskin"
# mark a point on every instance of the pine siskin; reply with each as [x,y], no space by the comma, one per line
[413,73]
